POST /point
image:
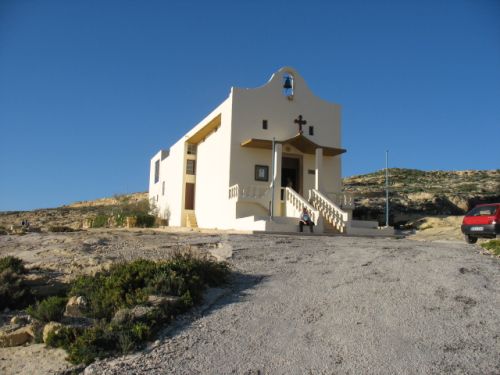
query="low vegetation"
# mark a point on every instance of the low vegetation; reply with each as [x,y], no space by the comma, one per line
[48,310]
[492,246]
[60,228]
[129,302]
[13,291]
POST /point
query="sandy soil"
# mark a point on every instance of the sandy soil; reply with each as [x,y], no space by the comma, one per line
[297,304]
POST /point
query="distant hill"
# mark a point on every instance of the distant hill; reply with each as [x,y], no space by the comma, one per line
[414,193]
[73,215]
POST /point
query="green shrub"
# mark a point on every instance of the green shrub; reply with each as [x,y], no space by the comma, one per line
[94,342]
[49,310]
[61,228]
[100,221]
[63,337]
[145,221]
[13,292]
[126,285]
[13,263]
[492,246]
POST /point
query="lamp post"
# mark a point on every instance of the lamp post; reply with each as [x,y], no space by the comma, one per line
[386,188]
[273,177]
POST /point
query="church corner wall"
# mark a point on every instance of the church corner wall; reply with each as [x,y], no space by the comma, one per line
[212,206]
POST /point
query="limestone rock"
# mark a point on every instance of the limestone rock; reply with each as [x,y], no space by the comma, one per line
[20,320]
[134,314]
[49,328]
[16,338]
[163,301]
[75,307]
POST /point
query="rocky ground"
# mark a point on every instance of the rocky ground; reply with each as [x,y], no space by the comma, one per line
[297,304]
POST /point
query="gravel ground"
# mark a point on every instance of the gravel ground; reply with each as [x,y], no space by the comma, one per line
[337,305]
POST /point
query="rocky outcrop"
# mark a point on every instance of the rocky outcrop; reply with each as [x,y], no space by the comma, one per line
[76,306]
[17,337]
[51,327]
[414,194]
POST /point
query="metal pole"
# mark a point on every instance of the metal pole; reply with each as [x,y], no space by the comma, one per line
[272,179]
[386,188]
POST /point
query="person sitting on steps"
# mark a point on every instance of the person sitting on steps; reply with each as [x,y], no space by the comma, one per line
[305,219]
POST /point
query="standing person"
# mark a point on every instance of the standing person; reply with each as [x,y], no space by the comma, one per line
[305,218]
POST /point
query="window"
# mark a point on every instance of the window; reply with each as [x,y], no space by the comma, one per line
[311,171]
[163,188]
[261,173]
[483,211]
[191,149]
[157,171]
[311,130]
[264,124]
[191,166]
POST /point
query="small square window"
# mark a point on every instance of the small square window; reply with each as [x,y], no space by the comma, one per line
[311,171]
[191,149]
[261,173]
[264,124]
[191,166]
[311,130]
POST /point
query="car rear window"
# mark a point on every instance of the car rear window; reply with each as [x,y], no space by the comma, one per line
[483,211]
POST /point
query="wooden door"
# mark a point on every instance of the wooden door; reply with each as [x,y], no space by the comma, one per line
[189,198]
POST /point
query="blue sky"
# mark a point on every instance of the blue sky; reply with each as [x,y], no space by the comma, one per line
[90,90]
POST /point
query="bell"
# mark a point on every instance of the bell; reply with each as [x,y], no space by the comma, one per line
[288,84]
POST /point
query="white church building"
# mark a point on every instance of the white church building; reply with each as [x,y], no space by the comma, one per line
[256,161]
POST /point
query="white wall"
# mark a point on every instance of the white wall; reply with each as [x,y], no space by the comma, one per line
[212,174]
[251,106]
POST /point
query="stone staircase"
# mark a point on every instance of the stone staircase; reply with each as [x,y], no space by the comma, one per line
[191,220]
[335,219]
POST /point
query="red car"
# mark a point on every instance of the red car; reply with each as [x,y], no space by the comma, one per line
[482,221]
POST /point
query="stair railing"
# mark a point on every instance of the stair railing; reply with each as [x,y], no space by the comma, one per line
[342,199]
[295,203]
[332,213]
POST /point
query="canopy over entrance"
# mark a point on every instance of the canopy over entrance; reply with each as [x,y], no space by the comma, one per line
[298,141]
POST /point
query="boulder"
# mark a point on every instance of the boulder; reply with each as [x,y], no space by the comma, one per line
[163,301]
[19,319]
[16,338]
[134,314]
[51,327]
[75,307]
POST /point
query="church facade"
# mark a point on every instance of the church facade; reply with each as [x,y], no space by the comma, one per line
[256,161]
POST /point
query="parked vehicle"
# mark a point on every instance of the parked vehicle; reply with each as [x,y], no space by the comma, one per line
[483,221]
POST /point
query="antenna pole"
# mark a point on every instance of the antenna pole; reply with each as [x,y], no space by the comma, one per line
[386,188]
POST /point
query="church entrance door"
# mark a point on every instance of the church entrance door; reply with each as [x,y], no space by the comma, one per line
[290,173]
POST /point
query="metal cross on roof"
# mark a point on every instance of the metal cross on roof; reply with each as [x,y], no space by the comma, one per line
[301,122]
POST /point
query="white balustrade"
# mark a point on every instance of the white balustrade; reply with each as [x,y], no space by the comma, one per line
[295,204]
[342,199]
[248,192]
[330,211]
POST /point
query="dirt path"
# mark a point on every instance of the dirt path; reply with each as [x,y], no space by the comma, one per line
[323,305]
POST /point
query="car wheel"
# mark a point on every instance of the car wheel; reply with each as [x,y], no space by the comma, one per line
[470,239]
